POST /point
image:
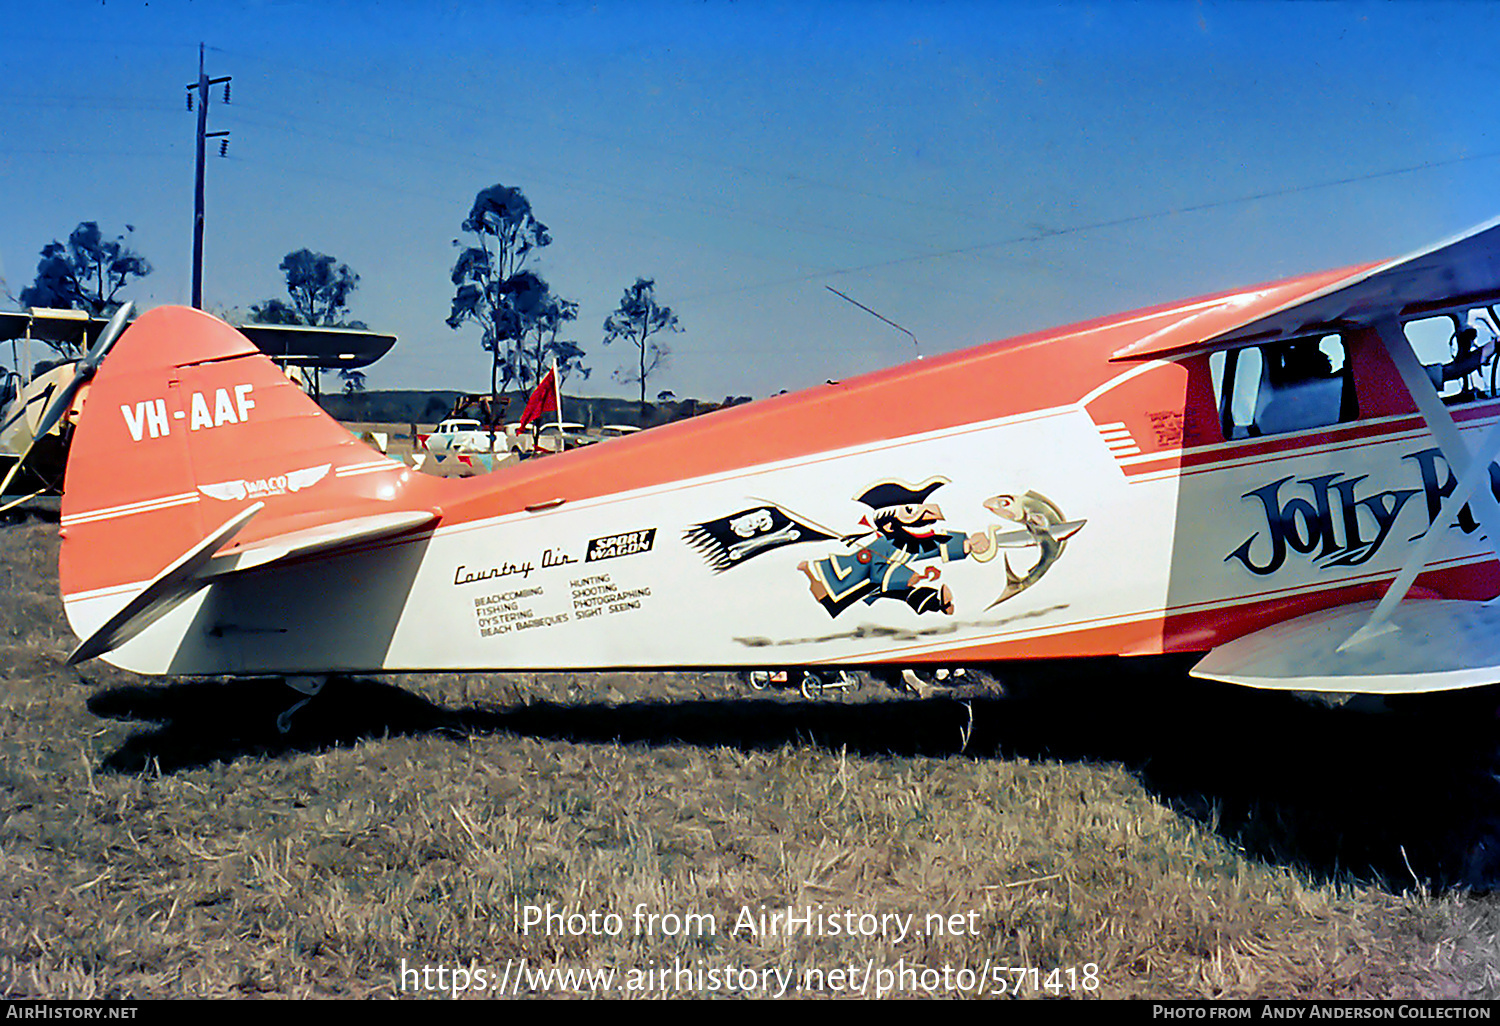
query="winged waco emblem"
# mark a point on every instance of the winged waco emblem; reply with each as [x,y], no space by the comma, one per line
[280,484]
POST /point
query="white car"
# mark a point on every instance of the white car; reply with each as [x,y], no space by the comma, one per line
[465,436]
[449,449]
[571,434]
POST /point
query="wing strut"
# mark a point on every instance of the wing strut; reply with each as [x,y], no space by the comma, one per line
[1472,469]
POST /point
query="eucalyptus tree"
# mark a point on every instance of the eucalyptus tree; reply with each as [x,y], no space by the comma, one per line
[319,288]
[87,272]
[641,321]
[543,315]
[489,291]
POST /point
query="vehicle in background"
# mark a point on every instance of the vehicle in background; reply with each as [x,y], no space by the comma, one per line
[463,447]
[466,435]
[555,437]
[487,409]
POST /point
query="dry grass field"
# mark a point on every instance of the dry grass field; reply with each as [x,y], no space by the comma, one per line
[1111,831]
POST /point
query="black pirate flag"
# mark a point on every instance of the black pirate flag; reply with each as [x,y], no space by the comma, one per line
[729,541]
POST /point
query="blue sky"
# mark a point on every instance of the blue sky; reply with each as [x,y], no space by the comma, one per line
[969,170]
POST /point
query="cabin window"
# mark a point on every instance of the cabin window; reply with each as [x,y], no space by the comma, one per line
[1286,386]
[1458,352]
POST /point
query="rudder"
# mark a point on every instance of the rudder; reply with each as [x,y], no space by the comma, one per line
[187,423]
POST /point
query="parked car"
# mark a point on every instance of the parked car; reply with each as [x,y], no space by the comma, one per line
[462,435]
[571,434]
[463,447]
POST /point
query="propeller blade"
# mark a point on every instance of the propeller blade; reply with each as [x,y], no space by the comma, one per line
[58,407]
[56,410]
[107,337]
[83,371]
[12,504]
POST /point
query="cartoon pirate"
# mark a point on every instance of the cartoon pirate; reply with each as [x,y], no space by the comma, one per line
[901,531]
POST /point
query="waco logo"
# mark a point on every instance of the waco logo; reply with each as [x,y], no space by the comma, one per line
[281,484]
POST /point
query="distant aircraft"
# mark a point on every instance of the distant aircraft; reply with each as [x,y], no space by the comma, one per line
[35,424]
[1283,478]
[32,462]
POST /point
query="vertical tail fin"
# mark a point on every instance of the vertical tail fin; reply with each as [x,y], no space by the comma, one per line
[186,424]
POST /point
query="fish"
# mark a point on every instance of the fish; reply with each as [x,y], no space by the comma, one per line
[1038,515]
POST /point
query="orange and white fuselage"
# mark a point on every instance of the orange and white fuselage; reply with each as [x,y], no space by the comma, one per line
[1096,494]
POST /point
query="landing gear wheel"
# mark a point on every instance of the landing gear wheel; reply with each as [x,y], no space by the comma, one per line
[760,680]
[817,683]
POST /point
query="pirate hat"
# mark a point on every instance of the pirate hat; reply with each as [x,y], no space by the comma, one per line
[899,493]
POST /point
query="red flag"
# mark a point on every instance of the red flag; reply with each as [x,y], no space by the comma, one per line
[543,399]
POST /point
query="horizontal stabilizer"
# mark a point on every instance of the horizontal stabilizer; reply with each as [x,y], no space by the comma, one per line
[165,592]
[321,539]
[203,562]
[1436,645]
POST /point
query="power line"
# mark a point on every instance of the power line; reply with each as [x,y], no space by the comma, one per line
[419,150]
[680,202]
[82,103]
[76,151]
[1051,233]
[617,141]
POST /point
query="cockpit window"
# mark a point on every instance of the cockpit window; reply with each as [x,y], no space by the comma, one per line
[1458,352]
[1281,387]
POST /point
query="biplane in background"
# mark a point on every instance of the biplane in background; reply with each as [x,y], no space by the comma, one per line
[32,460]
[35,428]
[1294,479]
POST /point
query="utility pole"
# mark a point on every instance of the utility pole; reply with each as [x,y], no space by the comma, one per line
[201,87]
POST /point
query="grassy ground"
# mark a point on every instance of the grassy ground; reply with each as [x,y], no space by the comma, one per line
[1145,835]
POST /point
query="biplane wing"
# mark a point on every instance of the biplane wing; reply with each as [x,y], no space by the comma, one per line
[1464,268]
[1391,645]
[1437,644]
